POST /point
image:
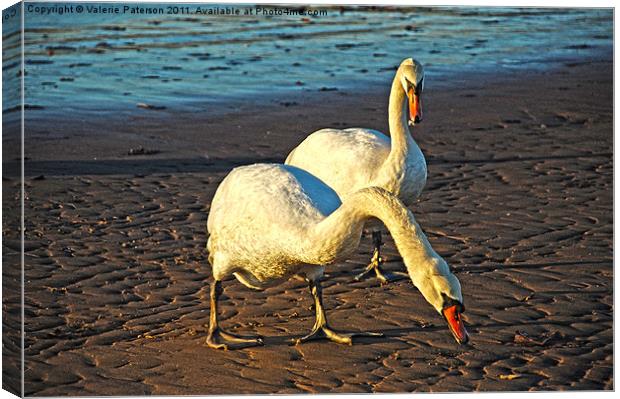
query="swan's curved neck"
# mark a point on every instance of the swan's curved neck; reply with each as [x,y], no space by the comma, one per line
[397,117]
[342,229]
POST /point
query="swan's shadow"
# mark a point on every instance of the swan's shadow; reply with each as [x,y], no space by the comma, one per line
[389,335]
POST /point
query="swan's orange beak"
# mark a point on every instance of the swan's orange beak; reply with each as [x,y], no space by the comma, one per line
[415,107]
[455,323]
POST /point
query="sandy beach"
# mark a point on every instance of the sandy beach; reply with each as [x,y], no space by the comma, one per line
[518,202]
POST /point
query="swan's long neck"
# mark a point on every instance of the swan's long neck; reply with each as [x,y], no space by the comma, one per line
[341,231]
[398,122]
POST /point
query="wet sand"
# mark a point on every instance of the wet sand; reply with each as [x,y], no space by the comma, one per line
[518,201]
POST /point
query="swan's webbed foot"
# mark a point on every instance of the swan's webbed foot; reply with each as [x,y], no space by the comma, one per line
[219,339]
[375,264]
[383,277]
[321,329]
[325,332]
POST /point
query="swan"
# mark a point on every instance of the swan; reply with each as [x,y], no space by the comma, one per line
[350,159]
[270,222]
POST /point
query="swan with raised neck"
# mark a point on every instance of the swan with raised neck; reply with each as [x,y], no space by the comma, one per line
[351,159]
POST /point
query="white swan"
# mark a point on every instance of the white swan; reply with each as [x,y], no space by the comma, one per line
[269,222]
[351,159]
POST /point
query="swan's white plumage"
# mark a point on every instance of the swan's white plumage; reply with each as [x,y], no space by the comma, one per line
[293,192]
[258,215]
[268,222]
[326,148]
[351,159]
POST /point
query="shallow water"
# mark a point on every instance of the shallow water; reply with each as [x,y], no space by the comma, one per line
[101,62]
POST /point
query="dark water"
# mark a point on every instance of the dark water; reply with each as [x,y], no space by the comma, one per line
[86,62]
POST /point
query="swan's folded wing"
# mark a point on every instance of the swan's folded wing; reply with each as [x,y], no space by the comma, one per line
[346,160]
[271,196]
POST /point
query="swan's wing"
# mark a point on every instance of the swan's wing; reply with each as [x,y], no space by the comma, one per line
[318,196]
[270,197]
[259,216]
[346,160]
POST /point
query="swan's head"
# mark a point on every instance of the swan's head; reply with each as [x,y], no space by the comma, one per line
[442,290]
[411,75]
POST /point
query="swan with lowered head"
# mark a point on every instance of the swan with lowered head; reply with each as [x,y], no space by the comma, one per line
[351,159]
[270,222]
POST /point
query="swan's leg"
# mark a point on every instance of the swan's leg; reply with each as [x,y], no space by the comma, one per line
[376,261]
[321,328]
[219,339]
